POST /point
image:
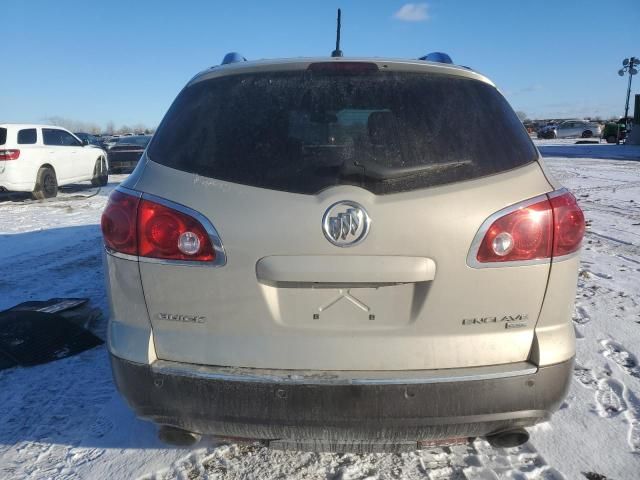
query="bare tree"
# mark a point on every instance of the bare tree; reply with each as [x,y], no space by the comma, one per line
[139,128]
[94,128]
[73,125]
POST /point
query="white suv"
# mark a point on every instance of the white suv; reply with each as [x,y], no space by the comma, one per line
[39,158]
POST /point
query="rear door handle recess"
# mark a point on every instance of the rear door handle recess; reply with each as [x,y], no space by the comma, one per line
[343,269]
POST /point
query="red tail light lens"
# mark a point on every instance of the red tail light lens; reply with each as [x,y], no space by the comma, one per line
[170,234]
[9,154]
[144,228]
[568,224]
[545,229]
[119,223]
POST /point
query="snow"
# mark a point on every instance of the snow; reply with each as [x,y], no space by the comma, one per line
[65,419]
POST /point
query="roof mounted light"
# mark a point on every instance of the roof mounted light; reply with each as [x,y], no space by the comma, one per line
[343,68]
[439,57]
[233,57]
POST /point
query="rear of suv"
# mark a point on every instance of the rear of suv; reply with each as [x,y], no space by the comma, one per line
[40,158]
[331,253]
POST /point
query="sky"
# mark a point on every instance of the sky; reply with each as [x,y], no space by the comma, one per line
[125,61]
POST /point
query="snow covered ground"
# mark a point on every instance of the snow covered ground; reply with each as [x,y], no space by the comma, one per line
[65,420]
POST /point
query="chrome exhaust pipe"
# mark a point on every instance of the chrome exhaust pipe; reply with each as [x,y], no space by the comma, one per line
[177,437]
[513,437]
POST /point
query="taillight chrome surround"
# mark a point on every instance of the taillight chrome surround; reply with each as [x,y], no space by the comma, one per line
[472,260]
[220,255]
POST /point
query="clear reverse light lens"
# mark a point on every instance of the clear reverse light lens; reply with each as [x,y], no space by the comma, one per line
[502,244]
[189,243]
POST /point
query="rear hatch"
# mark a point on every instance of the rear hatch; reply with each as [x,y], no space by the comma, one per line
[265,155]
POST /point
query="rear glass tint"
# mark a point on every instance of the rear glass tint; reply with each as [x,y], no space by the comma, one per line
[302,132]
[27,136]
[137,141]
[3,136]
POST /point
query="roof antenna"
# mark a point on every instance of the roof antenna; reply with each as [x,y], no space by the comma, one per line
[337,52]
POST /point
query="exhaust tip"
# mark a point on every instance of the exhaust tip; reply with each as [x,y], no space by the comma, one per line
[177,437]
[508,438]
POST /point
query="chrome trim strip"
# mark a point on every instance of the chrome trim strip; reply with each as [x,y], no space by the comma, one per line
[124,256]
[317,377]
[128,191]
[558,193]
[214,236]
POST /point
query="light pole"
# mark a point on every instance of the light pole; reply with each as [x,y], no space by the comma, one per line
[628,66]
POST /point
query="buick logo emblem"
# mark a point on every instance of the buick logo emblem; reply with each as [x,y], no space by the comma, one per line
[345,223]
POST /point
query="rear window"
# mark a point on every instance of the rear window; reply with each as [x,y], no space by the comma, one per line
[137,141]
[27,136]
[303,132]
[3,136]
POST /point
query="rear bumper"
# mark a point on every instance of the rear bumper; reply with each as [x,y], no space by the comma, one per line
[123,160]
[122,164]
[329,408]
[14,181]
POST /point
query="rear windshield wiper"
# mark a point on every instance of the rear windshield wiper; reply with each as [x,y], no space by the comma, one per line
[380,172]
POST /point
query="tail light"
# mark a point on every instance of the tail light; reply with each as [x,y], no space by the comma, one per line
[541,228]
[144,228]
[9,154]
[568,224]
[119,223]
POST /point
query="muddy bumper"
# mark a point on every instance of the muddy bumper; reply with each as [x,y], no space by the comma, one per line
[289,406]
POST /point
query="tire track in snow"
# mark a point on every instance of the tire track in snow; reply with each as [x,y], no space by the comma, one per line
[43,423]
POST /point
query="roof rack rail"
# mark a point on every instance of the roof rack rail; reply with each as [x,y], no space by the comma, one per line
[439,57]
[233,57]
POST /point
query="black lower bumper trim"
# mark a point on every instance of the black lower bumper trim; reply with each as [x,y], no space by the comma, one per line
[372,413]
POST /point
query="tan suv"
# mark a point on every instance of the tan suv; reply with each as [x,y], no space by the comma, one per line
[342,254]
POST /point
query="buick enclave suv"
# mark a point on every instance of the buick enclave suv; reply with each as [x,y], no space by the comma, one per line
[315,254]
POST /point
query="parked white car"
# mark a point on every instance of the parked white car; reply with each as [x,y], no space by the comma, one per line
[39,158]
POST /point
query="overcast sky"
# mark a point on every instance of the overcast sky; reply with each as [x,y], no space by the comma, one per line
[125,61]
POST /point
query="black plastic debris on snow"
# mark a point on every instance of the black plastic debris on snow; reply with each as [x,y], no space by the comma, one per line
[37,332]
[594,476]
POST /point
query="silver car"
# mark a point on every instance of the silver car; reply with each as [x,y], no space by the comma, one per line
[313,254]
[576,128]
